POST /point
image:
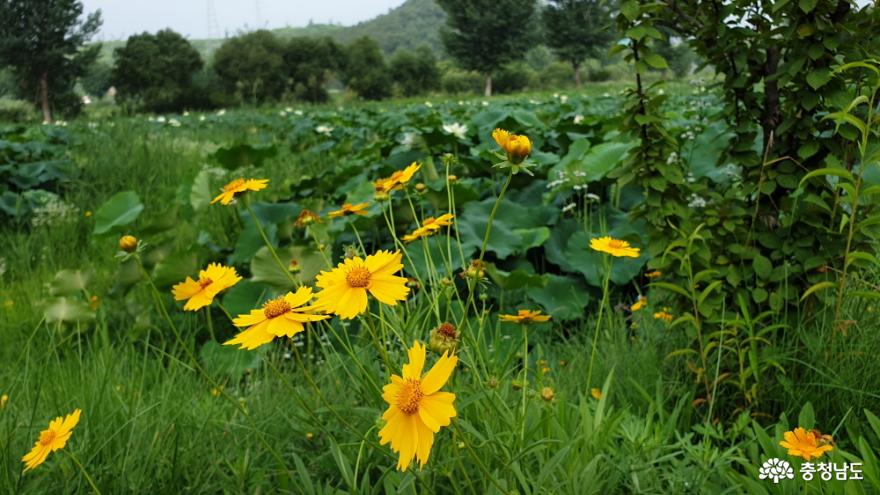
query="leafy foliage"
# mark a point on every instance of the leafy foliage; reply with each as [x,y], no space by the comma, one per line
[576,29]
[366,72]
[251,66]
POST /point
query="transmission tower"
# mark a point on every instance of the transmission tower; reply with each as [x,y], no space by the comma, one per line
[213,25]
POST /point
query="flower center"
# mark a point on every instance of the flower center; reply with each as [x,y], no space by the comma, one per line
[616,244]
[409,396]
[47,437]
[204,282]
[234,185]
[358,277]
[447,330]
[276,308]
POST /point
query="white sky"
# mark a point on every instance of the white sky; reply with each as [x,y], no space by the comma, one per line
[190,17]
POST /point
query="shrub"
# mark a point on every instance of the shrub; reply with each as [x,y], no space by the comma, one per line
[16,111]
[415,73]
[454,80]
[514,77]
[308,62]
[366,72]
[251,67]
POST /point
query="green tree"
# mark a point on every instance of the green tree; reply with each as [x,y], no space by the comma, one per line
[366,72]
[251,66]
[42,41]
[416,72]
[484,35]
[155,71]
[308,62]
[577,29]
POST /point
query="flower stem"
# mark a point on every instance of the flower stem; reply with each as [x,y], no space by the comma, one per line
[599,319]
[84,472]
[268,244]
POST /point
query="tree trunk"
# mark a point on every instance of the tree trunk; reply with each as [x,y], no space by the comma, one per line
[577,74]
[44,98]
[488,91]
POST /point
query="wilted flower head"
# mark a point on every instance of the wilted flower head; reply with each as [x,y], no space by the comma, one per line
[444,338]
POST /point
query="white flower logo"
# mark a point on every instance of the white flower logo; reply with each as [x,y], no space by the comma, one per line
[775,469]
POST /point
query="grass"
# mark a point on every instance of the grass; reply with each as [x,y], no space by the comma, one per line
[306,421]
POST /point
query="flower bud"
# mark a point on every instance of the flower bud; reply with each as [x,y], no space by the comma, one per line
[420,187]
[128,243]
[547,394]
[444,338]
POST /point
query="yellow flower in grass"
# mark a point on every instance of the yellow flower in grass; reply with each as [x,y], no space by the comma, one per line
[663,315]
[805,444]
[239,186]
[128,243]
[654,274]
[398,179]
[526,316]
[417,408]
[349,209]
[641,303]
[51,439]
[614,247]
[344,288]
[280,317]
[429,227]
[200,293]
[4,399]
[596,393]
[517,147]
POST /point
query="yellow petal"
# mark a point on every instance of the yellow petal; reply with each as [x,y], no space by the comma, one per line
[413,369]
[439,374]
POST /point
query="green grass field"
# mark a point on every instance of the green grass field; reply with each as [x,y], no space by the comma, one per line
[601,401]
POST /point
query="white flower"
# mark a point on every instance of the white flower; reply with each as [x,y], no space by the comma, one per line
[606,94]
[429,104]
[578,119]
[86,100]
[697,202]
[456,129]
[775,469]
[160,119]
[409,139]
[661,92]
[186,114]
[324,129]
[201,118]
[593,198]
[563,99]
[485,103]
[673,157]
[567,208]
[298,113]
[221,112]
[174,123]
[288,109]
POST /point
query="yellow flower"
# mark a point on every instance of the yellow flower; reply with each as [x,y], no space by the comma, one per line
[3,400]
[806,444]
[350,209]
[596,393]
[526,316]
[398,179]
[239,186]
[344,289]
[518,148]
[280,317]
[663,315]
[547,394]
[51,439]
[654,274]
[417,408]
[88,214]
[200,293]
[306,218]
[128,243]
[429,227]
[641,303]
[614,247]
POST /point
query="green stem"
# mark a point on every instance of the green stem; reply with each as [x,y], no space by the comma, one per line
[284,268]
[84,472]
[599,319]
[525,382]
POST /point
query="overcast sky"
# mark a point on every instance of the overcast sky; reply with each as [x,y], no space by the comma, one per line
[191,17]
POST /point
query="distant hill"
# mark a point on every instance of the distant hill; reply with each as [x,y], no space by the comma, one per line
[415,23]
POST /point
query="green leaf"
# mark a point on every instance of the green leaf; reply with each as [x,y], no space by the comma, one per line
[807,417]
[818,77]
[563,297]
[265,268]
[763,267]
[516,279]
[67,310]
[807,5]
[120,210]
[68,283]
[228,360]
[200,193]
[817,287]
[656,61]
[244,296]
[592,163]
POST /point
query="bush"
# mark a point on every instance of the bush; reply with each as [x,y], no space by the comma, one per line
[454,80]
[366,72]
[155,71]
[308,61]
[416,72]
[514,77]
[17,111]
[251,67]
[556,75]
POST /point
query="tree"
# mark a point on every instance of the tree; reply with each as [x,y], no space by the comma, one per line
[366,72]
[577,29]
[416,72]
[251,66]
[42,41]
[484,35]
[308,61]
[156,70]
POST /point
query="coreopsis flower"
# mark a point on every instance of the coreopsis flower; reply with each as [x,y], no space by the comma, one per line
[547,394]
[398,179]
[476,270]
[350,209]
[417,409]
[526,316]
[51,439]
[128,243]
[429,227]
[614,247]
[663,315]
[517,147]
[654,274]
[344,289]
[805,444]
[200,293]
[596,393]
[306,218]
[641,303]
[4,399]
[281,317]
[443,339]
[238,186]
